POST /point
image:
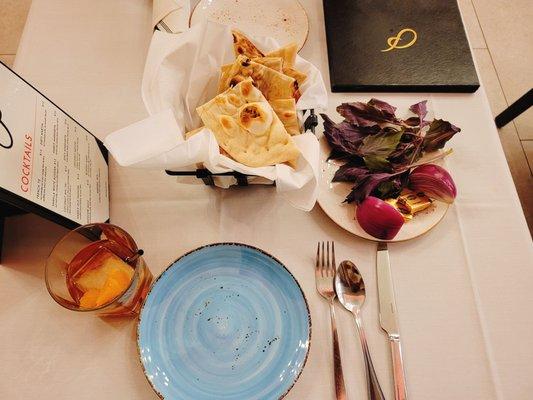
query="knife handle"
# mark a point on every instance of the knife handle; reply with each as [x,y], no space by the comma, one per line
[400,391]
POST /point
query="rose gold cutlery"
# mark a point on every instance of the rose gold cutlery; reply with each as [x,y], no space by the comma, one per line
[350,289]
[389,320]
[325,276]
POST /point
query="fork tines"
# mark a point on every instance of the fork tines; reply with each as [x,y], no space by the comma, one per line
[325,270]
[325,265]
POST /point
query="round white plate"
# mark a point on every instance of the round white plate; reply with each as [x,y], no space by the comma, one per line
[331,197]
[284,20]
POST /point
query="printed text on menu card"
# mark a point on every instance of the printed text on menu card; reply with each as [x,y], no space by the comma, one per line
[48,158]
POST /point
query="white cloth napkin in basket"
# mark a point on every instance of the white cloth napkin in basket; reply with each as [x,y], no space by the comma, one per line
[181,73]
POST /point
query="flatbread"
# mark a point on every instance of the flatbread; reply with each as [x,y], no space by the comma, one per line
[288,53]
[294,73]
[285,109]
[194,132]
[273,84]
[244,46]
[276,63]
[225,72]
[247,128]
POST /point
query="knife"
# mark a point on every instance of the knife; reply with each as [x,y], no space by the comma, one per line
[388,318]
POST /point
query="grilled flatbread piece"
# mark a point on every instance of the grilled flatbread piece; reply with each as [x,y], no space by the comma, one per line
[285,109]
[247,128]
[244,46]
[194,132]
[294,73]
[273,84]
[288,53]
[276,63]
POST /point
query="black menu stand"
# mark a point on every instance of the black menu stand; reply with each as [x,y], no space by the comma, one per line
[6,211]
[11,204]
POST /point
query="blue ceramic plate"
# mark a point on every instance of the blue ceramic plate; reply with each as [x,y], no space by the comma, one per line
[225,321]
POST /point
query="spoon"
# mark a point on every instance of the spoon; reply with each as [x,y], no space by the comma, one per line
[350,289]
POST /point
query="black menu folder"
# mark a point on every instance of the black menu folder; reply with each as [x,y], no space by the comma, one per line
[398,46]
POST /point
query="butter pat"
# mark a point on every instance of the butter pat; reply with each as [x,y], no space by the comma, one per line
[410,202]
[394,202]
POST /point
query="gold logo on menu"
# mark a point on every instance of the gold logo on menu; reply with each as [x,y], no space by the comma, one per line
[394,40]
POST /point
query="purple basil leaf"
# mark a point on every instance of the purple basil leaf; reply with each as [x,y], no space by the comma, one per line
[439,133]
[420,109]
[362,189]
[343,137]
[367,115]
[350,173]
[338,155]
[382,105]
[404,151]
[412,121]
[351,196]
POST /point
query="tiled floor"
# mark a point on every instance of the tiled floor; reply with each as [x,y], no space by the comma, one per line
[501,35]
[12,19]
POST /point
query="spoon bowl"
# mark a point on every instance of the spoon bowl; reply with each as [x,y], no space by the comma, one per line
[350,286]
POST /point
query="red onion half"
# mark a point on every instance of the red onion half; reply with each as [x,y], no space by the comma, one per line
[378,218]
[434,181]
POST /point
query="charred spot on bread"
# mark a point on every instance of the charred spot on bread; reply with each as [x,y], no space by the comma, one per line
[246,88]
[249,112]
[234,100]
[225,122]
[236,80]
[297,93]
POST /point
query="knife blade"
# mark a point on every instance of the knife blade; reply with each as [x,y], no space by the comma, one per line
[387,305]
[388,318]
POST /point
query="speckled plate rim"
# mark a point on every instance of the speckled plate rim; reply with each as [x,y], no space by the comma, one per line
[309,323]
[297,1]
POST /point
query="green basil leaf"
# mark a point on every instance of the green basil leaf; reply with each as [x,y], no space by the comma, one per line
[377,163]
[381,144]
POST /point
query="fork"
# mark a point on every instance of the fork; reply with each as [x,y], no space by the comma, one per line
[325,285]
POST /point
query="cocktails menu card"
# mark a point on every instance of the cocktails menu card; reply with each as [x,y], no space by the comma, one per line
[397,45]
[49,164]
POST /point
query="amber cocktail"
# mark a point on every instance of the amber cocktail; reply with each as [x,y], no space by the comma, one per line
[98,268]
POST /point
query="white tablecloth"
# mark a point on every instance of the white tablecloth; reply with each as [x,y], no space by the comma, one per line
[463,290]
